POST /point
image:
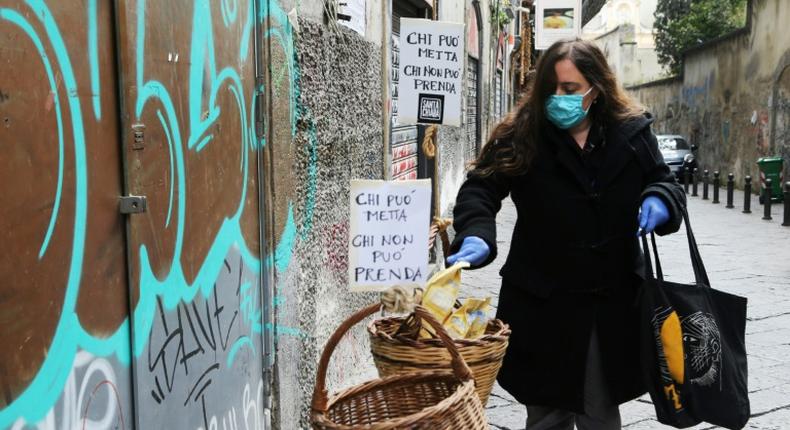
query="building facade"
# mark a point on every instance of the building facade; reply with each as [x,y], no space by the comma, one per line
[624,31]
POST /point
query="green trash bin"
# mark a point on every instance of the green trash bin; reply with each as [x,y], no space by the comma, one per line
[771,168]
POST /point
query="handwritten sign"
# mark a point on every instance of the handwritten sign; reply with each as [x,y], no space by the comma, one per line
[431,71]
[388,239]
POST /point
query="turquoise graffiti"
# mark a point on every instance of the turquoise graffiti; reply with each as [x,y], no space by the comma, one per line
[173,288]
[93,46]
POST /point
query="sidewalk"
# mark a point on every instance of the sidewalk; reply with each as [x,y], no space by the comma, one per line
[743,255]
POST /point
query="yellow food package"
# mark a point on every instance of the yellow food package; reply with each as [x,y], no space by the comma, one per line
[477,316]
[470,320]
[440,295]
[457,325]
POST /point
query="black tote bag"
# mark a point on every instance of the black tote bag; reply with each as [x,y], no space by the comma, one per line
[693,350]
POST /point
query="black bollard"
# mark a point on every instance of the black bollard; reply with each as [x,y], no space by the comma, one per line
[716,185]
[705,178]
[767,199]
[686,175]
[786,222]
[694,182]
[747,195]
[730,190]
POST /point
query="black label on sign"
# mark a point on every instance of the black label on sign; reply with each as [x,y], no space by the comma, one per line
[431,108]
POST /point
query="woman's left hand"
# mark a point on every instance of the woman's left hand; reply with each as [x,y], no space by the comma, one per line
[653,214]
[474,251]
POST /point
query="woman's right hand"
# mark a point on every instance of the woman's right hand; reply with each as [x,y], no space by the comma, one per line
[474,251]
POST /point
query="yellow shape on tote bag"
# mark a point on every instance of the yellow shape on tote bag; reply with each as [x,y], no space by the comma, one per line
[672,341]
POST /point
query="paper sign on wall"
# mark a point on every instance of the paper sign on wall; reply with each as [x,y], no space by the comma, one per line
[431,72]
[556,20]
[388,238]
[354,12]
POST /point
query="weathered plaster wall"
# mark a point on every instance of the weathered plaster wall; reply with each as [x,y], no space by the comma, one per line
[454,147]
[454,150]
[661,99]
[632,62]
[453,11]
[734,97]
[314,11]
[615,52]
[488,72]
[338,138]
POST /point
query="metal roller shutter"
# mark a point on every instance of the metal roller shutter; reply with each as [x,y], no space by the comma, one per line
[404,145]
[471,108]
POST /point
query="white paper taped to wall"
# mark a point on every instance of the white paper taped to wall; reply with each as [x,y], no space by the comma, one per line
[388,235]
[556,20]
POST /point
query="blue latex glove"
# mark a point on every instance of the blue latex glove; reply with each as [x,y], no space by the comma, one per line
[473,250]
[653,214]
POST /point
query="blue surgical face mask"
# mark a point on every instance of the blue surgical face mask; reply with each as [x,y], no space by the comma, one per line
[566,111]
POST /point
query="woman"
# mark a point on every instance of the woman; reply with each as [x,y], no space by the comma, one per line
[584,171]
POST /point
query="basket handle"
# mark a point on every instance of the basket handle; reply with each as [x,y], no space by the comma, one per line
[320,395]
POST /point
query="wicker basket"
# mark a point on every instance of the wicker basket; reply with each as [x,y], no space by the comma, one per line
[436,399]
[396,353]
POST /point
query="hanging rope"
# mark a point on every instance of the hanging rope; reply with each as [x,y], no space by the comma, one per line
[442,223]
[439,227]
[428,142]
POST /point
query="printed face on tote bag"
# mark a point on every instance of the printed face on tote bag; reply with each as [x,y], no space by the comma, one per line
[702,343]
[695,340]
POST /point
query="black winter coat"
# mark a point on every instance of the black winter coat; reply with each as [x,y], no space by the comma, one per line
[574,261]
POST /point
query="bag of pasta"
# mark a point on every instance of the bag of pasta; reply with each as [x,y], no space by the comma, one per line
[440,295]
[477,311]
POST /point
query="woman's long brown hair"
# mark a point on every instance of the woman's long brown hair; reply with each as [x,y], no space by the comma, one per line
[512,145]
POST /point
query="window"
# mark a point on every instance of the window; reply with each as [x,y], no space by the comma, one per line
[672,144]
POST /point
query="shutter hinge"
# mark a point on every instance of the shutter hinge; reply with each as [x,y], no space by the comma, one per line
[133,204]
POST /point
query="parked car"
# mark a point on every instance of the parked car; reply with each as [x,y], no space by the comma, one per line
[678,154]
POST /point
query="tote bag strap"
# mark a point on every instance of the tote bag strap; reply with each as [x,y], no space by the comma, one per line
[649,261]
[700,275]
[659,272]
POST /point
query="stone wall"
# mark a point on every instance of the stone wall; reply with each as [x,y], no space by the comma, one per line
[338,138]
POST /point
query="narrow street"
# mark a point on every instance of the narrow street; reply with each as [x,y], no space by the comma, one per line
[744,255]
[198,194]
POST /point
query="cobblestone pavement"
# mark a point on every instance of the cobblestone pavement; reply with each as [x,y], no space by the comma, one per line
[744,255]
